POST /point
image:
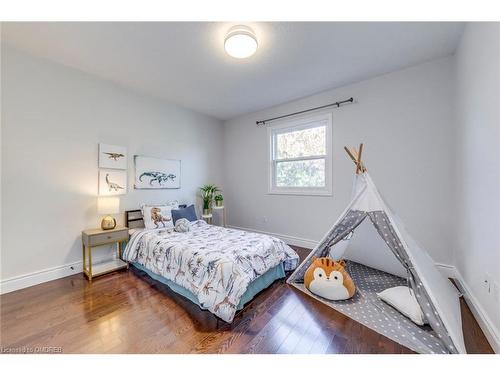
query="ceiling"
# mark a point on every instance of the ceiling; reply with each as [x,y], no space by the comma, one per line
[185,62]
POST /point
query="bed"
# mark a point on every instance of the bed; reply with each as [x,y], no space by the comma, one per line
[219,269]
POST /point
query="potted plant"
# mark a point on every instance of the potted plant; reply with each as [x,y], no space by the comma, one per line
[218,200]
[207,194]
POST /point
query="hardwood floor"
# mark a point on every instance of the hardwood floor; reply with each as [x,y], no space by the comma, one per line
[128,312]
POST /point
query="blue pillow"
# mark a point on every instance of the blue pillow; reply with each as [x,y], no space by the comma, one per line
[188,213]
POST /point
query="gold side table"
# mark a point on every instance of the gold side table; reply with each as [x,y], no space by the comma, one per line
[97,237]
[207,218]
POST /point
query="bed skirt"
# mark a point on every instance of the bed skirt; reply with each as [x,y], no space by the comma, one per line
[256,286]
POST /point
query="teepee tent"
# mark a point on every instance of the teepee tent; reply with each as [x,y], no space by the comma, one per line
[401,256]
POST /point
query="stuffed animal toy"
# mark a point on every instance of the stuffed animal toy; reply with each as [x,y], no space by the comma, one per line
[182,225]
[329,279]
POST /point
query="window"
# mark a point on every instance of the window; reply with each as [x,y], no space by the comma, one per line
[300,156]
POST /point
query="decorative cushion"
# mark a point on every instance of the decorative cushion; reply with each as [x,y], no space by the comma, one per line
[188,213]
[182,225]
[329,279]
[403,300]
[157,216]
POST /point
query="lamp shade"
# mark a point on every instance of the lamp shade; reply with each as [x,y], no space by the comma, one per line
[108,205]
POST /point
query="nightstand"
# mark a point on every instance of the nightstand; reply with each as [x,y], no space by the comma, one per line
[97,237]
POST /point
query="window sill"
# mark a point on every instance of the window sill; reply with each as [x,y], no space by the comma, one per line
[320,193]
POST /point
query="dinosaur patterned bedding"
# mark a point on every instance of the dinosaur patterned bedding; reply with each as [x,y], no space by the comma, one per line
[216,264]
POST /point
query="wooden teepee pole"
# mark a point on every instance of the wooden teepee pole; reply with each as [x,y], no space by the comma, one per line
[350,154]
[359,167]
[355,156]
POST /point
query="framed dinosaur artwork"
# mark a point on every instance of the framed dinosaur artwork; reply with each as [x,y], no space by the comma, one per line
[153,173]
[112,157]
[112,182]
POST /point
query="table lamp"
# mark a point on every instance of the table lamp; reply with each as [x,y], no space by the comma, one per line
[108,206]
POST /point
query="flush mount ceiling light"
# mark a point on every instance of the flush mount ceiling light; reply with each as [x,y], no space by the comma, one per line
[240,42]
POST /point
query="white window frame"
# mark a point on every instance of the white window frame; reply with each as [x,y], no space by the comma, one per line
[305,122]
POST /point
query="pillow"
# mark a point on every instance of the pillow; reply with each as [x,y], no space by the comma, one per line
[157,216]
[188,213]
[182,225]
[403,300]
[329,279]
[174,204]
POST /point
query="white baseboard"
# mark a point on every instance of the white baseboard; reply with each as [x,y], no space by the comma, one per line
[291,240]
[482,318]
[48,274]
[20,282]
[447,270]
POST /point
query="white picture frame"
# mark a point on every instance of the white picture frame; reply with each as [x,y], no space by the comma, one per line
[154,173]
[112,182]
[112,157]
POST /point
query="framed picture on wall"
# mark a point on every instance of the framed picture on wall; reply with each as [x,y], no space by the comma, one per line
[112,182]
[153,173]
[112,157]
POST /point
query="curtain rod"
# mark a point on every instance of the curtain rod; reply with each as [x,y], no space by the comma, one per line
[263,122]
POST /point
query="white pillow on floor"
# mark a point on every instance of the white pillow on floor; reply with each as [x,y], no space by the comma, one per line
[403,300]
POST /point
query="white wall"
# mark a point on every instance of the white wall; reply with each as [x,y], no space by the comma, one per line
[53,118]
[432,135]
[477,246]
[404,119]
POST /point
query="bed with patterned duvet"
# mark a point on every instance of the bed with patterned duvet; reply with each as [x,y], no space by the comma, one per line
[219,269]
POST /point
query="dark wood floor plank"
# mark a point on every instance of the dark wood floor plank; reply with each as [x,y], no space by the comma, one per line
[264,338]
[288,336]
[255,326]
[307,334]
[242,329]
[128,312]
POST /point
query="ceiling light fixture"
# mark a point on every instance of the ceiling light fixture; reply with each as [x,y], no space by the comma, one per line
[240,42]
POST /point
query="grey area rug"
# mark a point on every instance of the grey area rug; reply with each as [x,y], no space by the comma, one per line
[367,308]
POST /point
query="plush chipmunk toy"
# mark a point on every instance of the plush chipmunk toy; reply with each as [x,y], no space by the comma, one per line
[329,279]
